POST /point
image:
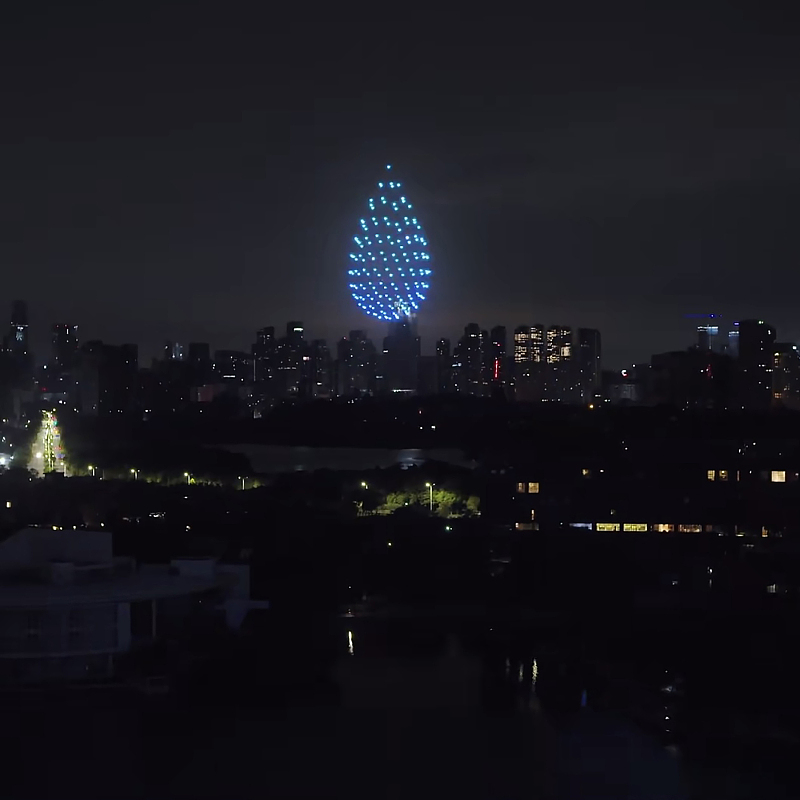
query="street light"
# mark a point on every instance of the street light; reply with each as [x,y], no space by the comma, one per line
[430,489]
[364,485]
[135,473]
[91,469]
[188,478]
[242,480]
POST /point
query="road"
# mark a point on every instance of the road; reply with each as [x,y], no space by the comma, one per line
[47,453]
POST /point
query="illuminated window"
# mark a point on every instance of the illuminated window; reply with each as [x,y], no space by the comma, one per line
[711,474]
[524,526]
[723,474]
[521,488]
[638,527]
[778,476]
[607,526]
[533,488]
[690,528]
[663,527]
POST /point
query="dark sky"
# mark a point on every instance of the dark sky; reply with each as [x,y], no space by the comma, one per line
[196,171]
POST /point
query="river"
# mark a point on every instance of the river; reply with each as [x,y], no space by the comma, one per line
[275,459]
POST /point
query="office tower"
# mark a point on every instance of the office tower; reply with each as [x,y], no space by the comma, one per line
[390,263]
[264,364]
[471,355]
[355,365]
[559,386]
[708,338]
[294,331]
[174,351]
[108,379]
[496,360]
[588,364]
[443,366]
[786,376]
[401,350]
[733,341]
[522,345]
[65,346]
[199,359]
[316,375]
[17,344]
[289,353]
[233,366]
[529,363]
[756,354]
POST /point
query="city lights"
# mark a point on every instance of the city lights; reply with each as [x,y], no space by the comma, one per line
[390,274]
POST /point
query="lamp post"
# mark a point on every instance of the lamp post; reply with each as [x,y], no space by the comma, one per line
[242,479]
[92,470]
[188,478]
[364,485]
[430,490]
[135,473]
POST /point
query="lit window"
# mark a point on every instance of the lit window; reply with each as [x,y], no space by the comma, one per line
[663,527]
[723,474]
[533,488]
[520,488]
[711,474]
[607,526]
[524,526]
[637,527]
[778,476]
[772,588]
[690,528]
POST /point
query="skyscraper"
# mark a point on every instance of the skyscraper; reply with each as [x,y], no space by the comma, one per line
[17,344]
[497,355]
[560,376]
[401,350]
[588,363]
[65,346]
[756,340]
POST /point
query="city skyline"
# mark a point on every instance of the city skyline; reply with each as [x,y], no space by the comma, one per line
[579,171]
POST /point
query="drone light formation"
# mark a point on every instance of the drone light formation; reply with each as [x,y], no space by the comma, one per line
[390,266]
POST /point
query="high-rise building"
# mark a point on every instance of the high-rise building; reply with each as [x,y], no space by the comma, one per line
[401,350]
[264,364]
[560,377]
[529,363]
[199,358]
[588,364]
[732,348]
[355,365]
[108,379]
[443,367]
[786,376]
[17,344]
[65,346]
[497,355]
[316,371]
[471,352]
[756,354]
[174,351]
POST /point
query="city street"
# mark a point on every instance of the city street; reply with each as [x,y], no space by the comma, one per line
[46,453]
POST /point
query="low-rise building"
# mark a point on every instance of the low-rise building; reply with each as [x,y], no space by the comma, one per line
[69,609]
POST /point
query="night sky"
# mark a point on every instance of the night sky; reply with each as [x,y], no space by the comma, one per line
[196,171]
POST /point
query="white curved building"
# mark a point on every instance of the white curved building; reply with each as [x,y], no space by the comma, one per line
[69,608]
